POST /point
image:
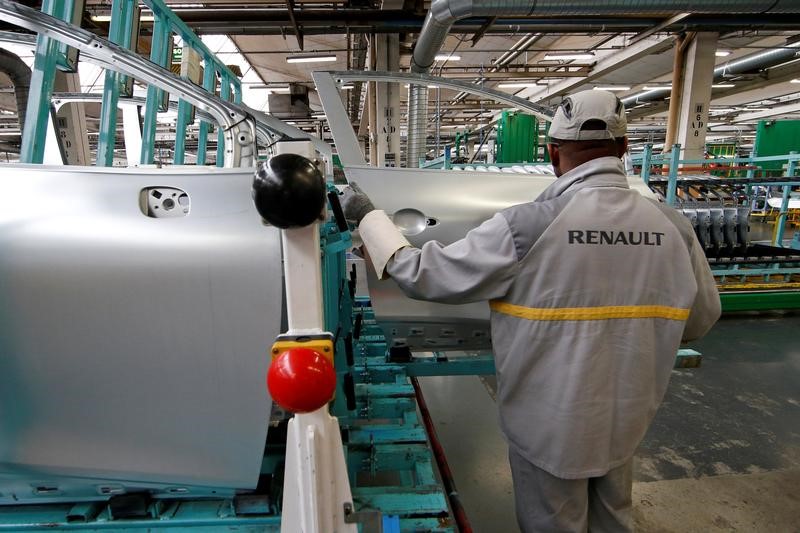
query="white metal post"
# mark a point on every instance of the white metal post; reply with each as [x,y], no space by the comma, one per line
[315,487]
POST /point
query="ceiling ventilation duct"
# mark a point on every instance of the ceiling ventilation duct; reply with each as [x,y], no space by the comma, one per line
[744,65]
[20,76]
[444,13]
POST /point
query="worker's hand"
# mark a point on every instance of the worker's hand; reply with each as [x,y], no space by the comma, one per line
[355,203]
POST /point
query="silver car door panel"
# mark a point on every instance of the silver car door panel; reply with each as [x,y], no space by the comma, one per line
[133,346]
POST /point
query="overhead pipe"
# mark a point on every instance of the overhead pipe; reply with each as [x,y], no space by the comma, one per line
[444,13]
[20,75]
[518,48]
[751,63]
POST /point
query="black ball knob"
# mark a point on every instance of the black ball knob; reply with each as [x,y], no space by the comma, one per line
[288,191]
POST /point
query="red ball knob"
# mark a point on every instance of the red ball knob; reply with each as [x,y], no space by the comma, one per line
[301,380]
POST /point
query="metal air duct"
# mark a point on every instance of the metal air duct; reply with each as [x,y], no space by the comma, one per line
[20,76]
[751,63]
[444,13]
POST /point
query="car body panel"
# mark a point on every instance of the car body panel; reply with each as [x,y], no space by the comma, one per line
[133,349]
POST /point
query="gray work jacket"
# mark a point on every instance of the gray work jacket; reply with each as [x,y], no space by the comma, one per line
[592,287]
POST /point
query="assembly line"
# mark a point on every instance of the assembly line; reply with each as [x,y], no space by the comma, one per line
[222,309]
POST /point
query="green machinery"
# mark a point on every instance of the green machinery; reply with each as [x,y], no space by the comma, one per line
[776,137]
[517,138]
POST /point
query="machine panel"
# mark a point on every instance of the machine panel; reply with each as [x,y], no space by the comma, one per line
[133,347]
[441,205]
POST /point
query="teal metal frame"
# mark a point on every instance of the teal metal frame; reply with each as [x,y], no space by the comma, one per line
[646,160]
[122,15]
[780,224]
[46,60]
[672,184]
[209,84]
[647,157]
[50,55]
[212,68]
[225,94]
[160,49]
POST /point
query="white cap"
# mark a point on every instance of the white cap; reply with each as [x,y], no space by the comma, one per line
[571,115]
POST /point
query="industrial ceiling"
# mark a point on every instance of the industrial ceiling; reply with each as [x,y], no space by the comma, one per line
[627,53]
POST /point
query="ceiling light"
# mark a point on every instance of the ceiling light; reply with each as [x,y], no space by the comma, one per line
[516,85]
[657,87]
[796,80]
[310,59]
[107,18]
[566,56]
[722,53]
[613,88]
[722,85]
[272,88]
[447,57]
[346,87]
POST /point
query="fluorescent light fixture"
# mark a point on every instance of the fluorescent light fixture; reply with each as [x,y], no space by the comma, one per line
[796,80]
[107,18]
[447,57]
[517,85]
[613,88]
[554,56]
[657,87]
[273,88]
[346,87]
[722,85]
[310,59]
[722,53]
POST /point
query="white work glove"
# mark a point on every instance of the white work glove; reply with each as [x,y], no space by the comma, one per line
[355,203]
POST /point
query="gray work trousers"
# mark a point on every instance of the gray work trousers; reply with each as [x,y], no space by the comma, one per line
[548,504]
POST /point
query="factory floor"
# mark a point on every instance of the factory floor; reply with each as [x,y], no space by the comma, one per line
[723,453]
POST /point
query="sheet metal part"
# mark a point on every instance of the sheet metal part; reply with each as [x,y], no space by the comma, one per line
[416,196]
[132,346]
[341,129]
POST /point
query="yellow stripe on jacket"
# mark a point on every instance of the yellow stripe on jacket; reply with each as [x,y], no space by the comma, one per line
[608,312]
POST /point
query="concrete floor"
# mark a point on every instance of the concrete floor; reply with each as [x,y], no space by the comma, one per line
[723,453]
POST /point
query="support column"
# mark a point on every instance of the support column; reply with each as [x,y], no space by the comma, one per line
[696,94]
[67,141]
[387,103]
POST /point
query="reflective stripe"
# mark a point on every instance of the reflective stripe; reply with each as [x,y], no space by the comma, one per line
[591,313]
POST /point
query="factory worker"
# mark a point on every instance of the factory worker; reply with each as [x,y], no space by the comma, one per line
[592,288]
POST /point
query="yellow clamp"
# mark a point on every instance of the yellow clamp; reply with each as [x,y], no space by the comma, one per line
[322,344]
